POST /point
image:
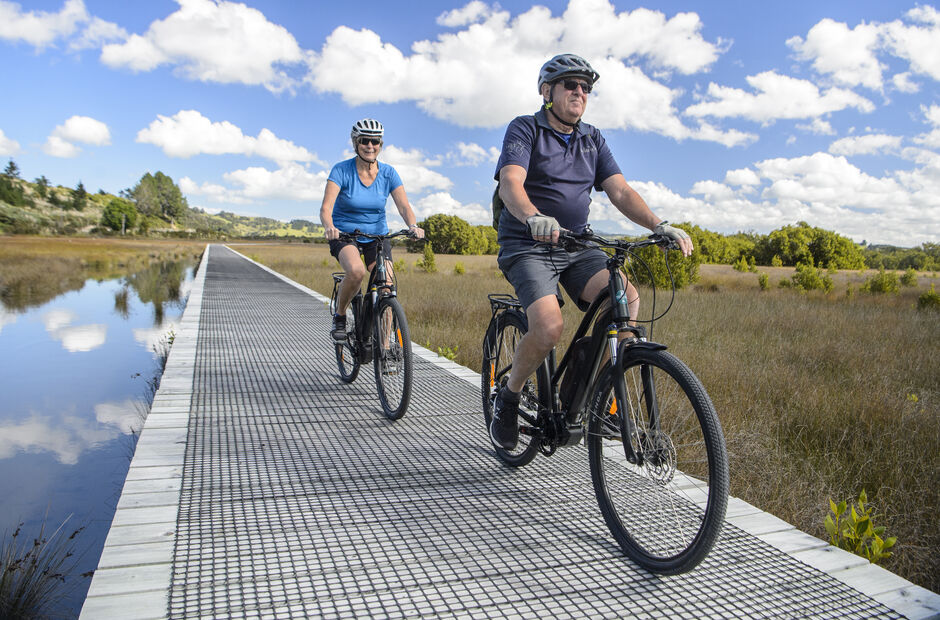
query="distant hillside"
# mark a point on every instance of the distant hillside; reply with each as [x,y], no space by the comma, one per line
[40,208]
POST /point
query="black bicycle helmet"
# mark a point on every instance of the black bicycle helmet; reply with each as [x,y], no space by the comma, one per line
[368,128]
[564,65]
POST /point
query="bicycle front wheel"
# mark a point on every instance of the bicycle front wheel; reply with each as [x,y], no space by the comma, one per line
[347,351]
[392,357]
[665,503]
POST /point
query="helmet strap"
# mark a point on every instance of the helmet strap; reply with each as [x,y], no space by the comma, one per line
[356,148]
[548,106]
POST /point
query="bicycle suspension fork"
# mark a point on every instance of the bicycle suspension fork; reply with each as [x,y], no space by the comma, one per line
[621,323]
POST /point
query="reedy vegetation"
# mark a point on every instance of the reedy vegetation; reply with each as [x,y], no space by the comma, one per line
[820,395]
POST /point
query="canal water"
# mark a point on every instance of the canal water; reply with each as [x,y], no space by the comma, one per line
[77,374]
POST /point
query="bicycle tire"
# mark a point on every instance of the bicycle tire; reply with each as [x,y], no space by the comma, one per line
[391,359]
[499,346]
[347,351]
[667,512]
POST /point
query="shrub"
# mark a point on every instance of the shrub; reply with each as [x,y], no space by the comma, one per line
[119,215]
[929,300]
[764,281]
[854,531]
[741,264]
[459,269]
[427,263]
[909,277]
[882,282]
[776,261]
[809,278]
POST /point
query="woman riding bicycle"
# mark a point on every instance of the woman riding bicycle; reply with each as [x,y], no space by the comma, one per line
[354,199]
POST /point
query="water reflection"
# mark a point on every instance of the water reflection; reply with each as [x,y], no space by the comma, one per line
[78,342]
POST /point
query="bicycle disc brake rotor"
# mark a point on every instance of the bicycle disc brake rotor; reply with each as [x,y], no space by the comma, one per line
[659,456]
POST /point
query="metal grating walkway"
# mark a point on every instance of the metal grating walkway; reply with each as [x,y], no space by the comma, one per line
[298,499]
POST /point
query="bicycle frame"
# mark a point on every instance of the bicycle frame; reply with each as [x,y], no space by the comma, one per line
[611,321]
[378,287]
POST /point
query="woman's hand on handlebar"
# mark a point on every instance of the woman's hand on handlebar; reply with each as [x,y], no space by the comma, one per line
[331,233]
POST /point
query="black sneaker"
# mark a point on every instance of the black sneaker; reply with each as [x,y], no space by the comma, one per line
[504,430]
[339,327]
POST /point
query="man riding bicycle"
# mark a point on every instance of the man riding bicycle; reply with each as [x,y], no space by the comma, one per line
[548,165]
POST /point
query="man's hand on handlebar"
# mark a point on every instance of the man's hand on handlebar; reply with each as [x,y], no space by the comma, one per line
[416,232]
[331,233]
[678,235]
[543,228]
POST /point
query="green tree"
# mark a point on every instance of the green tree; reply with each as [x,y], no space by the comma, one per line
[42,186]
[157,195]
[449,234]
[79,197]
[802,243]
[119,215]
[12,171]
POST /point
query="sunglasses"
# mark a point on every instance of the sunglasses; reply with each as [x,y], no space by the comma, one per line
[372,141]
[573,84]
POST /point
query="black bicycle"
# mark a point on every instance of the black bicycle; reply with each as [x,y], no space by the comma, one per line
[655,446]
[377,332]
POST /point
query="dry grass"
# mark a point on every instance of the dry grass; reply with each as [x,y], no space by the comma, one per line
[34,270]
[820,395]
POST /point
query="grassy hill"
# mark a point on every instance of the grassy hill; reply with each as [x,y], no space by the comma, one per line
[40,209]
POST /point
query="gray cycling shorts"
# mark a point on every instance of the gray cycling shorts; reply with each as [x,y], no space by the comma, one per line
[538,271]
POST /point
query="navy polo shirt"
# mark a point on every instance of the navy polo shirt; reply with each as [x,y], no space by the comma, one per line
[559,176]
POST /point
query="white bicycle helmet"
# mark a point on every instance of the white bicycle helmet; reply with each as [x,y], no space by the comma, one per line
[368,128]
[564,65]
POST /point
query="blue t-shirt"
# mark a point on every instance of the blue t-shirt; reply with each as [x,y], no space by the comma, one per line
[358,206]
[559,175]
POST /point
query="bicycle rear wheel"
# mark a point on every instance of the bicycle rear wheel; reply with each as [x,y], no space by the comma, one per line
[666,508]
[347,351]
[499,346]
[392,357]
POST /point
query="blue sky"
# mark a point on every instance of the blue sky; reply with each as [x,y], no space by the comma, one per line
[734,115]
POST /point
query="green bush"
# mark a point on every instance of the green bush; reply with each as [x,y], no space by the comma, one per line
[741,264]
[119,215]
[764,281]
[427,263]
[929,300]
[809,278]
[882,282]
[909,277]
[459,269]
[651,268]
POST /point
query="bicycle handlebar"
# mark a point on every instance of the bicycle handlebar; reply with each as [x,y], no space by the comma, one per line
[587,235]
[404,232]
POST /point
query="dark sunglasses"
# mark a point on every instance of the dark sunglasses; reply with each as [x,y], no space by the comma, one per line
[573,84]
[372,141]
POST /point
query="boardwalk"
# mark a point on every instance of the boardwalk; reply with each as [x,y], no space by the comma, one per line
[263,487]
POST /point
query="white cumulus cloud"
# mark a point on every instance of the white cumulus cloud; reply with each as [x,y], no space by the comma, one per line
[189,133]
[776,97]
[83,129]
[213,41]
[853,56]
[40,28]
[8,146]
[868,144]
[452,77]
[472,154]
